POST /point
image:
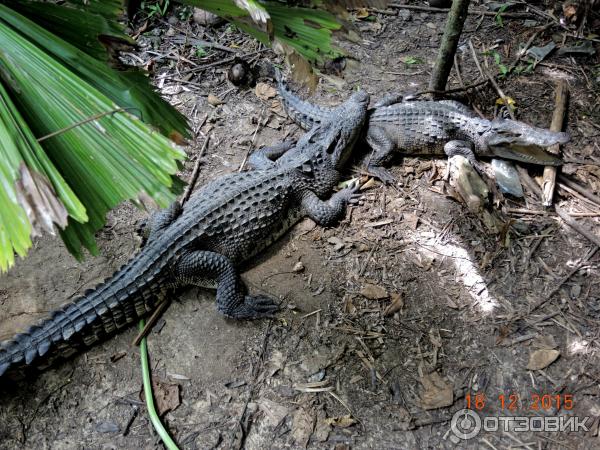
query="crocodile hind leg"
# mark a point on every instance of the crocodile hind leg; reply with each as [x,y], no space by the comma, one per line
[205,268]
[383,152]
[266,157]
[389,99]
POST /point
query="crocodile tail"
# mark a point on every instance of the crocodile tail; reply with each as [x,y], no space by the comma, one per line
[303,113]
[531,155]
[75,326]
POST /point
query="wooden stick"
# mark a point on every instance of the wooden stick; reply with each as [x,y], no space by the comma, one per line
[592,237]
[477,12]
[560,108]
[151,321]
[578,188]
[195,173]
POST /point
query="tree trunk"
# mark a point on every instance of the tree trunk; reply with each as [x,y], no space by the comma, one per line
[445,58]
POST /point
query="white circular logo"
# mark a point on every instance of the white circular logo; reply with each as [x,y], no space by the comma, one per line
[465,424]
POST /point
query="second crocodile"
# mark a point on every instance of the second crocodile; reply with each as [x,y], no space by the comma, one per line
[431,128]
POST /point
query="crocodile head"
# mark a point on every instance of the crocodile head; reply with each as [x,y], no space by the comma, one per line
[518,141]
[345,126]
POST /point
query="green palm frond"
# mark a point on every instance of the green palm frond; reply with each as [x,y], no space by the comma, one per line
[71,145]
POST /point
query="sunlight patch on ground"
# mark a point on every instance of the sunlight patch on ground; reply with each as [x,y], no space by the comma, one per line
[467,270]
[577,345]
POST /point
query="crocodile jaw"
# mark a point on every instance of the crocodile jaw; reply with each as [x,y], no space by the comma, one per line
[517,140]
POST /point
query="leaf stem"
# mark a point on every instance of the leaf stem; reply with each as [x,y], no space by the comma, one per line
[158,426]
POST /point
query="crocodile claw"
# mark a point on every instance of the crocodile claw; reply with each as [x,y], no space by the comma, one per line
[383,174]
[256,307]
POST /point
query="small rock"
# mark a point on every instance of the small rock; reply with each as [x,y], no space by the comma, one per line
[404,14]
[240,74]
[107,427]
[373,292]
[206,18]
[319,376]
[362,248]
[336,242]
[173,20]
[213,100]
[298,267]
[171,32]
[540,359]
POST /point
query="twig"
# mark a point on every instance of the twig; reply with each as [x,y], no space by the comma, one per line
[560,108]
[252,142]
[578,188]
[528,44]
[195,173]
[455,90]
[477,12]
[82,122]
[573,224]
[566,278]
[485,74]
[151,321]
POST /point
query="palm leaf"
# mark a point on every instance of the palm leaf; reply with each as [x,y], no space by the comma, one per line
[97,155]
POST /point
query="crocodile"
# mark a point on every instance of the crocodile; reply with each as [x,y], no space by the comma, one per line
[432,128]
[222,225]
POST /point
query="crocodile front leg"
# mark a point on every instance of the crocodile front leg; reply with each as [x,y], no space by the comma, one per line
[266,157]
[463,148]
[327,213]
[204,268]
[383,152]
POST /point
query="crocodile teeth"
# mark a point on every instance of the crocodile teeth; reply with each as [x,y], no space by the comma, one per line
[30,354]
[43,347]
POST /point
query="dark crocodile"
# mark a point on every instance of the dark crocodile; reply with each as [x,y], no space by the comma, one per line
[433,128]
[223,224]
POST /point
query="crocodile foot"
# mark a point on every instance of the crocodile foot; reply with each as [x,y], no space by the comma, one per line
[383,174]
[255,307]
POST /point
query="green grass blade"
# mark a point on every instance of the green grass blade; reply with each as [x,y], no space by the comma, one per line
[158,426]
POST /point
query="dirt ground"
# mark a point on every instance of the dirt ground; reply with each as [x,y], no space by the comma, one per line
[408,312]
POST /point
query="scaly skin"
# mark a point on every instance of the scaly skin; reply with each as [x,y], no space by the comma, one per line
[433,128]
[223,224]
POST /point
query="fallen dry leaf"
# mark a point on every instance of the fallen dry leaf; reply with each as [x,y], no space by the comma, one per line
[213,100]
[274,412]
[341,422]
[373,292]
[437,393]
[265,91]
[540,359]
[362,13]
[396,304]
[412,220]
[166,396]
[303,424]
